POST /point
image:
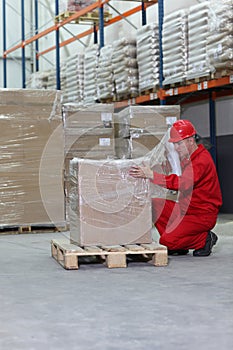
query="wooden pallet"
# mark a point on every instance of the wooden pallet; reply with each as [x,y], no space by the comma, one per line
[150,91]
[68,254]
[198,80]
[88,17]
[19,229]
[221,73]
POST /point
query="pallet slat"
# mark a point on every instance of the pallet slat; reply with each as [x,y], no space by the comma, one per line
[67,254]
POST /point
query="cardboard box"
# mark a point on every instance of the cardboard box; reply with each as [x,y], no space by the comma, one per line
[28,170]
[140,128]
[107,206]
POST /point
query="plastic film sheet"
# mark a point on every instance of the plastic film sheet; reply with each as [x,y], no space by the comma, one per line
[28,119]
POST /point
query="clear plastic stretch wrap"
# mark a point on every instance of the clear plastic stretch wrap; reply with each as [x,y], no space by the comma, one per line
[74,74]
[107,206]
[125,68]
[91,58]
[220,38]
[138,129]
[148,56]
[28,119]
[175,47]
[105,82]
[198,25]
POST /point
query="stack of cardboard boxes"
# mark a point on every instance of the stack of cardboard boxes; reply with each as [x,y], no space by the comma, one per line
[106,205]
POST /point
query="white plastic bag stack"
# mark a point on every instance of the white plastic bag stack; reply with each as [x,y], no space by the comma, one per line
[198,64]
[148,56]
[175,46]
[220,39]
[37,80]
[125,68]
[91,57]
[105,83]
[74,74]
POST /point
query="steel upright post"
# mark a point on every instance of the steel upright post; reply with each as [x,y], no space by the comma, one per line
[143,14]
[4,43]
[36,32]
[57,49]
[161,14]
[212,120]
[101,25]
[23,46]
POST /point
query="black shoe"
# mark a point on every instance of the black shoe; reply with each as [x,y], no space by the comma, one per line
[178,252]
[211,240]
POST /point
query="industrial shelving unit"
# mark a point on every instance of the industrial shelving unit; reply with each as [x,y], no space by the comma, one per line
[208,90]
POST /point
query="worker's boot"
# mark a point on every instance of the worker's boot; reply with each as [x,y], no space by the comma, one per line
[211,240]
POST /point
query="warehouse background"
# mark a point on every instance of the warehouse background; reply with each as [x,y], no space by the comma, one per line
[197,112]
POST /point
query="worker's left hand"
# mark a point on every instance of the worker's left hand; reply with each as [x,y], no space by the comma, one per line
[141,172]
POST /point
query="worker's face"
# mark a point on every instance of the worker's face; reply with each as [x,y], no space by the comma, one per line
[183,147]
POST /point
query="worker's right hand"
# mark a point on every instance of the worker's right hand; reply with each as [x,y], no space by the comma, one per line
[141,172]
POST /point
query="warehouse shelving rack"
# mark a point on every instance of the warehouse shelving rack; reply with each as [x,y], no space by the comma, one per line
[99,4]
[208,90]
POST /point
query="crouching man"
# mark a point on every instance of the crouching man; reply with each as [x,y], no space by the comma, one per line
[186,224]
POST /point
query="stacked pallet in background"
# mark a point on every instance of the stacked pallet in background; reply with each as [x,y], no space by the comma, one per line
[138,129]
[91,57]
[198,29]
[148,57]
[107,205]
[125,68]
[105,81]
[74,79]
[175,47]
[220,38]
[28,120]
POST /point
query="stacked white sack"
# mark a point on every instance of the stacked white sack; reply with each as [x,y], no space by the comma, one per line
[198,65]
[220,40]
[37,80]
[105,83]
[74,78]
[175,47]
[125,68]
[148,56]
[91,56]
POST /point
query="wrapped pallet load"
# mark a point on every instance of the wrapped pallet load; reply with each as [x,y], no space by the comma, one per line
[29,169]
[74,77]
[220,38]
[175,47]
[91,58]
[105,82]
[107,206]
[125,68]
[198,26]
[148,57]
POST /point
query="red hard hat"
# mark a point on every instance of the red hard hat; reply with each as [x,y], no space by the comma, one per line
[180,130]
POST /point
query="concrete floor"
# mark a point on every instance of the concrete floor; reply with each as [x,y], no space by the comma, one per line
[185,305]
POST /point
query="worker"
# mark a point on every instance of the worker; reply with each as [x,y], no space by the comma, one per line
[187,223]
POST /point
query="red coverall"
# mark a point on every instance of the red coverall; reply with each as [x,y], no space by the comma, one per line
[185,225]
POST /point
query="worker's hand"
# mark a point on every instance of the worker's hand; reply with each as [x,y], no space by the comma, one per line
[141,172]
